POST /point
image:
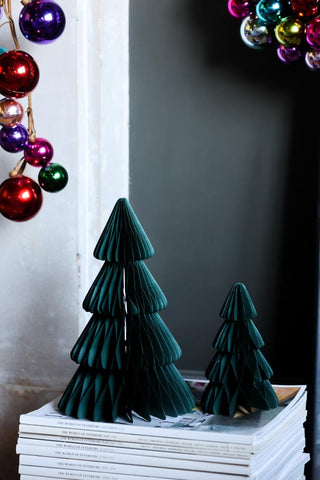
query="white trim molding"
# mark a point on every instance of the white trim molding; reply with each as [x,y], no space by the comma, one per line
[103,125]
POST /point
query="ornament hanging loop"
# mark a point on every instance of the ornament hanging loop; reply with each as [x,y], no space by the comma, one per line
[31,127]
[8,12]
[19,168]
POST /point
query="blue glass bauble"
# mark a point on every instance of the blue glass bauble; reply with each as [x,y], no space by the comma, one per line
[270,11]
[42,21]
[13,139]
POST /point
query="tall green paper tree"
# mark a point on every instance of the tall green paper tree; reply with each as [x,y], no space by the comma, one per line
[238,373]
[125,353]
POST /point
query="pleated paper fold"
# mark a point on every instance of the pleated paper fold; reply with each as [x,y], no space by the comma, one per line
[238,373]
[123,239]
[125,353]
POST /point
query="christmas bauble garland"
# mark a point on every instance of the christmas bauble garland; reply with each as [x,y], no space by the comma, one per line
[40,21]
[293,26]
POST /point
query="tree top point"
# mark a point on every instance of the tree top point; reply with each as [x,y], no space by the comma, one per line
[238,304]
[123,239]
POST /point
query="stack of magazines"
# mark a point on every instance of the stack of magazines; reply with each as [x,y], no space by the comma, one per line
[260,445]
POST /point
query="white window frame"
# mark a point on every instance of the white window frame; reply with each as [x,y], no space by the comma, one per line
[103,125]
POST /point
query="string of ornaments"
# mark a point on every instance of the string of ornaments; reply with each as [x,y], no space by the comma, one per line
[293,26]
[41,22]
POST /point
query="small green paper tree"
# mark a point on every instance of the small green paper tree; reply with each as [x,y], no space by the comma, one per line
[238,373]
[125,353]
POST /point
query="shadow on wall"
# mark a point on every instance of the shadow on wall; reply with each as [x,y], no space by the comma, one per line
[295,338]
[224,48]
[297,263]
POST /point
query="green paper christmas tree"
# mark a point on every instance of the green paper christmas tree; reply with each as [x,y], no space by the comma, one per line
[238,373]
[125,353]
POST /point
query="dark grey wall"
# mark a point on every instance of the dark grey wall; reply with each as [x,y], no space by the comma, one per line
[223,177]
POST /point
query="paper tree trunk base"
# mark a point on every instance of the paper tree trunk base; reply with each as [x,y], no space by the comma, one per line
[238,373]
[125,353]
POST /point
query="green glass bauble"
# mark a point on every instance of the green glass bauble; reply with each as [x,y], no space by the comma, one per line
[53,177]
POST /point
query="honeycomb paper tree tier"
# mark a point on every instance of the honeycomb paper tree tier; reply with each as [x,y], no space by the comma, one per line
[238,373]
[125,353]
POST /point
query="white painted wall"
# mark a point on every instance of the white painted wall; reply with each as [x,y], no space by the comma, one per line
[81,106]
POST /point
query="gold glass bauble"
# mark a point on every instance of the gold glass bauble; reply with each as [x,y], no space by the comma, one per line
[289,31]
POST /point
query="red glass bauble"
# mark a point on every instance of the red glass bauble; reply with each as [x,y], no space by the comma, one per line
[20,198]
[19,74]
[305,8]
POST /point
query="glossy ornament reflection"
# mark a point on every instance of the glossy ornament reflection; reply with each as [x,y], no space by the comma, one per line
[20,198]
[312,59]
[270,11]
[304,8]
[42,21]
[53,177]
[313,32]
[289,55]
[11,112]
[290,31]
[13,139]
[240,8]
[38,153]
[254,33]
[291,26]
[19,73]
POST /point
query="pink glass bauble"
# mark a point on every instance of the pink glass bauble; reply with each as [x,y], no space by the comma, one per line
[305,8]
[254,33]
[312,59]
[19,74]
[11,112]
[240,8]
[289,55]
[313,32]
[20,198]
[38,153]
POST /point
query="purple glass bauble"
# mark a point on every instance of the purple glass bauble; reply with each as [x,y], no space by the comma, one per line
[38,153]
[42,21]
[13,139]
[289,55]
